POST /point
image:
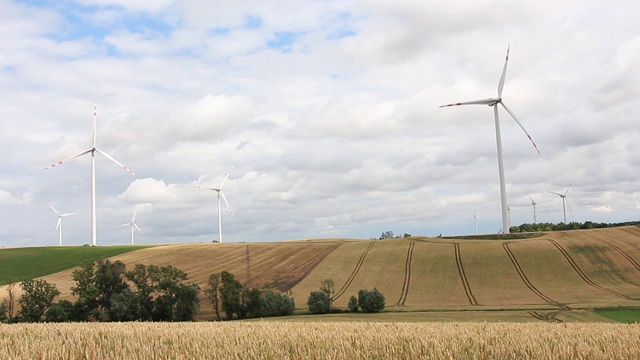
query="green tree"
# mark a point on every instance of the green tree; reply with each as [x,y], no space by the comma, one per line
[371,301]
[187,302]
[353,304]
[36,298]
[213,292]
[141,277]
[62,311]
[96,284]
[319,302]
[3,310]
[230,295]
[328,286]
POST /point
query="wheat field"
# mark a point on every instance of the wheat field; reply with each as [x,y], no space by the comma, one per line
[314,340]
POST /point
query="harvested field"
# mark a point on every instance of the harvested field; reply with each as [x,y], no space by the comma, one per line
[555,272]
[296,340]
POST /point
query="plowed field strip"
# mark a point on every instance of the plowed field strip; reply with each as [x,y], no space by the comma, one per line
[623,253]
[407,275]
[583,275]
[318,261]
[524,278]
[463,276]
[344,287]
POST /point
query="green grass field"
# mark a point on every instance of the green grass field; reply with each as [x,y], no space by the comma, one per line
[624,315]
[18,264]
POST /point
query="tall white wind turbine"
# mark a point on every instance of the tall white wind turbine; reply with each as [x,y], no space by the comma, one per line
[494,102]
[59,224]
[564,199]
[220,194]
[92,150]
[133,226]
[533,203]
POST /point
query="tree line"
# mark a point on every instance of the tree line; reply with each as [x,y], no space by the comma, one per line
[570,226]
[321,301]
[107,291]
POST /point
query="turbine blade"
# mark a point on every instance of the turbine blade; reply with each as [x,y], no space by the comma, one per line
[136,226]
[225,178]
[58,226]
[68,214]
[127,224]
[474,102]
[504,74]
[69,158]
[202,187]
[54,209]
[133,219]
[226,202]
[116,161]
[521,126]
[556,193]
[569,205]
[532,202]
[566,191]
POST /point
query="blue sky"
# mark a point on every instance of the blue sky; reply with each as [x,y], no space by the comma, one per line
[327,111]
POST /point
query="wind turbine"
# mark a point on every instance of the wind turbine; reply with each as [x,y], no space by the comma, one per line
[475,222]
[92,150]
[220,193]
[133,225]
[59,224]
[533,203]
[564,199]
[494,103]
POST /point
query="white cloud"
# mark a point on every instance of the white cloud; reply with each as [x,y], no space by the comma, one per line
[327,110]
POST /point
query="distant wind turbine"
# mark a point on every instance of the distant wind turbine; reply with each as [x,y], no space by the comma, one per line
[220,193]
[475,222]
[564,199]
[133,225]
[92,150]
[59,224]
[494,102]
[533,203]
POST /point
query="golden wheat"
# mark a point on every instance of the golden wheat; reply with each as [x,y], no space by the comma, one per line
[311,340]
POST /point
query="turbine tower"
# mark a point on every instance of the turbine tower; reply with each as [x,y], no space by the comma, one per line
[92,150]
[220,193]
[533,203]
[133,225]
[59,224]
[494,103]
[564,199]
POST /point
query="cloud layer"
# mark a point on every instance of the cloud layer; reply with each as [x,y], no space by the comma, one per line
[327,111]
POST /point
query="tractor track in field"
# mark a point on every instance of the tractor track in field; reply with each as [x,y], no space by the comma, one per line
[584,277]
[407,275]
[550,317]
[463,276]
[355,271]
[622,252]
[526,280]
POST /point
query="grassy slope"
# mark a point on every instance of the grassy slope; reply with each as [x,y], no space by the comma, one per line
[17,264]
[434,277]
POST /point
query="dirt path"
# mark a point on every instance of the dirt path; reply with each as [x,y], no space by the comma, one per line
[355,271]
[582,274]
[463,276]
[407,276]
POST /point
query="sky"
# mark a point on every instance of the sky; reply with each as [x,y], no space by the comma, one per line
[327,111]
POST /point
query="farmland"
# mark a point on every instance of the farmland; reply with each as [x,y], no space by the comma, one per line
[328,340]
[551,277]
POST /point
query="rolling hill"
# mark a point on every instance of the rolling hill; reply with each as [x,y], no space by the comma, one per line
[551,273]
